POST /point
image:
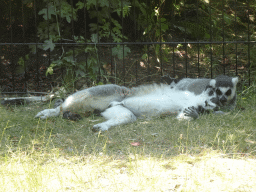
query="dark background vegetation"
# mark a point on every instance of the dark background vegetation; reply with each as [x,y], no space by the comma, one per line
[79,43]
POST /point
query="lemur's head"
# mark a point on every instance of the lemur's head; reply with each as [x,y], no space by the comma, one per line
[225,88]
[211,98]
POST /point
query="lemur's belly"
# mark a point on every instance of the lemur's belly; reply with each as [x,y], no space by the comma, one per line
[150,105]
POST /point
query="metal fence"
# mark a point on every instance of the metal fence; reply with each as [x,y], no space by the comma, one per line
[202,42]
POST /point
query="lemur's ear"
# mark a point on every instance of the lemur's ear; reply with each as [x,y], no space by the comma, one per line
[235,80]
[213,83]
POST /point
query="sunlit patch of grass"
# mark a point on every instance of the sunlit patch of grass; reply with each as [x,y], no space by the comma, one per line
[208,172]
[213,153]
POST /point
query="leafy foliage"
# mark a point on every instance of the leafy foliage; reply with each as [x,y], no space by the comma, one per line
[59,21]
[58,15]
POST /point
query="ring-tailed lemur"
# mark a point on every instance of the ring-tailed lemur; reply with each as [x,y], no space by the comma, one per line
[122,105]
[225,88]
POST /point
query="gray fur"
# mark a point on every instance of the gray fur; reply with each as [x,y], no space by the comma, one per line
[88,100]
[222,84]
[98,98]
[196,86]
[225,81]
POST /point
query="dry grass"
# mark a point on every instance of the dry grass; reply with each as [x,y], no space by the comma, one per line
[213,153]
[206,172]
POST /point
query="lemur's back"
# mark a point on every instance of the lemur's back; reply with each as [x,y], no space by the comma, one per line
[196,86]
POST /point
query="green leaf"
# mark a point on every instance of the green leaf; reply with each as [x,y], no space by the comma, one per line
[51,11]
[27,57]
[157,34]
[163,20]
[144,56]
[68,59]
[56,63]
[90,2]
[227,19]
[207,35]
[50,69]
[94,38]
[66,12]
[81,73]
[157,49]
[164,27]
[120,52]
[21,61]
[68,18]
[104,3]
[89,49]
[82,65]
[48,44]
[80,5]
[33,48]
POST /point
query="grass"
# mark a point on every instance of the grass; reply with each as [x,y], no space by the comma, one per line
[213,153]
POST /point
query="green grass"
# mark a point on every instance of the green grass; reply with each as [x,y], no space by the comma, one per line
[213,153]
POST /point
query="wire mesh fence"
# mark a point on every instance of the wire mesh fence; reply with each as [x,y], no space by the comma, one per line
[80,43]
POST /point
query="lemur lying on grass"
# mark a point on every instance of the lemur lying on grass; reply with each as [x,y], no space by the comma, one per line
[187,97]
[120,105]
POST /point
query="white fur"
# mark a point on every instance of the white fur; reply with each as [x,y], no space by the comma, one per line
[126,105]
[161,101]
[48,113]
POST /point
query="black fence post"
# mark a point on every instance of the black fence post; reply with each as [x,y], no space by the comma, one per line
[249,45]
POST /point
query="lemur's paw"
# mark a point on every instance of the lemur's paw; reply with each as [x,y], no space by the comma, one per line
[43,114]
[191,112]
[100,127]
[71,116]
[47,113]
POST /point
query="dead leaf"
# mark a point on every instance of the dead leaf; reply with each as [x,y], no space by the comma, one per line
[142,64]
[135,144]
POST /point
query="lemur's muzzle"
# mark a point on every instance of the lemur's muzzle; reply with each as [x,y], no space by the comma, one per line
[216,101]
[223,100]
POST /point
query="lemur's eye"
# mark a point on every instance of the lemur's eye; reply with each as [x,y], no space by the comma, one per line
[210,93]
[218,92]
[228,92]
